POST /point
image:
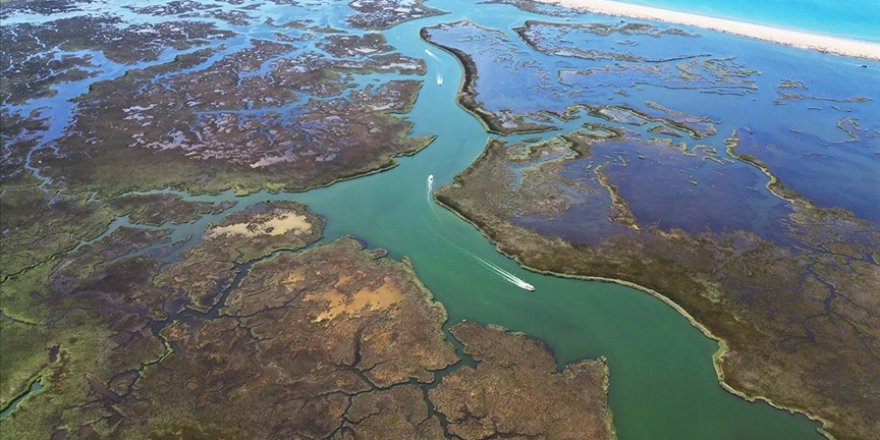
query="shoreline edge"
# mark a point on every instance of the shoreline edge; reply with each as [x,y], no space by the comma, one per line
[799,39]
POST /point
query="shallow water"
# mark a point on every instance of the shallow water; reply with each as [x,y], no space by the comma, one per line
[788,105]
[663,385]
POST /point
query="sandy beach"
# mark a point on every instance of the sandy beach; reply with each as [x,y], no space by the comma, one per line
[822,43]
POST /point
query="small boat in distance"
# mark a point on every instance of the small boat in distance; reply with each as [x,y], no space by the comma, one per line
[439,79]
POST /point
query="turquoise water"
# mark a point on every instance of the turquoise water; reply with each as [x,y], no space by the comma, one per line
[35,387]
[858,19]
[662,383]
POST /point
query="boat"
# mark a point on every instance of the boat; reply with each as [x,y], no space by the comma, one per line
[509,277]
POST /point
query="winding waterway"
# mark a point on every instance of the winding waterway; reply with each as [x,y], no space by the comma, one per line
[663,384]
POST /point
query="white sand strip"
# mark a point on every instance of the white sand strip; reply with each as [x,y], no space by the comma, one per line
[822,43]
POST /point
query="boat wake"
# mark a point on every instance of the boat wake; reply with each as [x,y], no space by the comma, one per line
[431,54]
[435,58]
[505,275]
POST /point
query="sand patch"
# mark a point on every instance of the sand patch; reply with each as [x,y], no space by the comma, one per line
[278,225]
[293,278]
[381,298]
[342,281]
[821,43]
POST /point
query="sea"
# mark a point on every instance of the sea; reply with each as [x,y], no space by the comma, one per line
[855,19]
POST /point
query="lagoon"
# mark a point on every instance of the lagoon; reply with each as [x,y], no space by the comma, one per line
[663,384]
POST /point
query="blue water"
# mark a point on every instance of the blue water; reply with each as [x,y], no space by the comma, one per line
[662,384]
[857,19]
[786,134]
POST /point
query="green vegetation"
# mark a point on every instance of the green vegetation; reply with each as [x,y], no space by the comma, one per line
[794,317]
[248,335]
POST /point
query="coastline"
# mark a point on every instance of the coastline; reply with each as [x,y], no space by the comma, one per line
[717,356]
[824,425]
[803,40]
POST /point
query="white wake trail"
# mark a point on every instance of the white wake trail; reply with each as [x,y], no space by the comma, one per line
[431,54]
[439,75]
[429,197]
[505,275]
